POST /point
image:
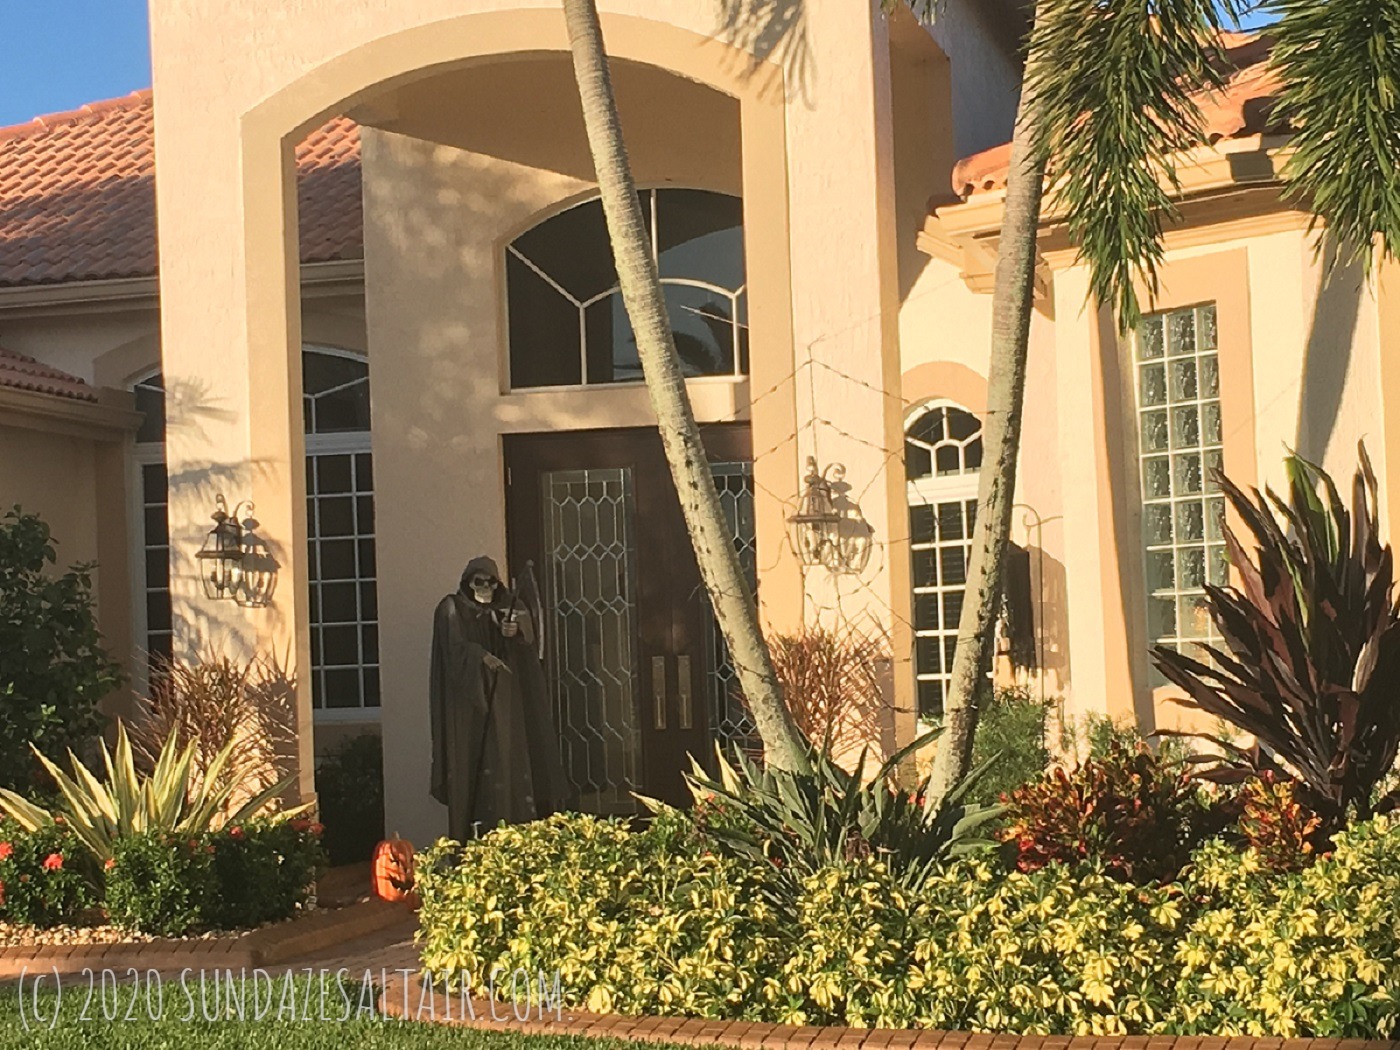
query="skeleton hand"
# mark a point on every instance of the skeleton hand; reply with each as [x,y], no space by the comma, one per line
[495,663]
[509,628]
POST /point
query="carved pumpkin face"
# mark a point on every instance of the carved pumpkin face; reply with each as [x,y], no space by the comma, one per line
[392,871]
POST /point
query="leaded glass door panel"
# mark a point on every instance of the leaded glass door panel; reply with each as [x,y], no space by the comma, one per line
[630,647]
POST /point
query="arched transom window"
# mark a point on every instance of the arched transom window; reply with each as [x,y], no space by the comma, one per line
[567,323]
[340,528]
[942,457]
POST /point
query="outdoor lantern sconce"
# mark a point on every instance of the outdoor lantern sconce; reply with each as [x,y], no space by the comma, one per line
[229,567]
[828,528]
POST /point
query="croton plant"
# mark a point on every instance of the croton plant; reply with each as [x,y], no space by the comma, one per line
[1310,665]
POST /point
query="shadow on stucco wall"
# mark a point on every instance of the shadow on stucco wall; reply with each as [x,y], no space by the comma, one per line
[1327,357]
[770,31]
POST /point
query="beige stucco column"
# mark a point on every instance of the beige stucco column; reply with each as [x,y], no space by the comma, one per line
[229,327]
[1102,677]
[845,313]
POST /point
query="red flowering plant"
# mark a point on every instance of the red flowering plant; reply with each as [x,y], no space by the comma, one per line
[45,877]
[266,870]
[1130,812]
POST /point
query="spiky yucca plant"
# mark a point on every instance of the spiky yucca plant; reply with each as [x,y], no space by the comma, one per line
[1313,633]
[800,822]
[173,797]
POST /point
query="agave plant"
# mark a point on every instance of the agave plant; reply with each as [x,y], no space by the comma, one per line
[171,798]
[799,822]
[1313,633]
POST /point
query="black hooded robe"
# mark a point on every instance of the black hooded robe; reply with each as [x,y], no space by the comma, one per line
[495,750]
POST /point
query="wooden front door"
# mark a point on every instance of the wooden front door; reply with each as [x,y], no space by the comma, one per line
[639,674]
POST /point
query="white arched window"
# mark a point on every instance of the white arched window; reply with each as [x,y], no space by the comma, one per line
[942,457]
[340,529]
[567,323]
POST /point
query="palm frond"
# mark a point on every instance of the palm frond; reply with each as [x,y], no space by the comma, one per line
[1339,67]
[1113,84]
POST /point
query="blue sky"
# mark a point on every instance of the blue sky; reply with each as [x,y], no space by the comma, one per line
[62,53]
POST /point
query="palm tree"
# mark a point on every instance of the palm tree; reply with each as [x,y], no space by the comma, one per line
[734,606]
[1109,94]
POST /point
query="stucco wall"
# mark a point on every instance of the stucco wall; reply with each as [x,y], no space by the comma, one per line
[52,475]
[69,481]
[985,77]
[1300,366]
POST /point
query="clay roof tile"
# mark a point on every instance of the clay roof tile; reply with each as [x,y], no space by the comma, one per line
[1244,107]
[18,372]
[77,194]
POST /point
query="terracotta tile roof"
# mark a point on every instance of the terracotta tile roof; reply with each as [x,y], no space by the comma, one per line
[1242,108]
[77,194]
[18,372]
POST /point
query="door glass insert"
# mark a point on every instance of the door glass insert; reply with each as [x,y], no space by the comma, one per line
[590,573]
[730,720]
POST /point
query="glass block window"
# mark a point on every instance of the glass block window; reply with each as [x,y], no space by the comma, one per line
[567,322]
[340,527]
[943,454]
[1179,445]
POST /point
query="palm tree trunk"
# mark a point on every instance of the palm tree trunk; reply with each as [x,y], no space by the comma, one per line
[1012,302]
[734,605]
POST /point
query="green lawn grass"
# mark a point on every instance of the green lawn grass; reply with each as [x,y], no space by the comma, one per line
[171,1032]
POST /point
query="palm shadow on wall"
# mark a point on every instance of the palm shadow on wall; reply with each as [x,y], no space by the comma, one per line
[1327,357]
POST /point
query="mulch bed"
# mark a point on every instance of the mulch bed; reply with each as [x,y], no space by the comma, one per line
[74,949]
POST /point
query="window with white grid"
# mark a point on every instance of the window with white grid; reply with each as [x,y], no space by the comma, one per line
[1179,447]
[340,529]
[942,457]
[152,488]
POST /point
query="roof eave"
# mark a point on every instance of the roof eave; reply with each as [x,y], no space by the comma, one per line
[318,280]
[110,418]
[966,233]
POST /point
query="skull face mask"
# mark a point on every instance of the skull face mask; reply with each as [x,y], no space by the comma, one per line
[483,588]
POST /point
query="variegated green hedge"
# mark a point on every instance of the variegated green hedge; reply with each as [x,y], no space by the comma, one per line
[653,923]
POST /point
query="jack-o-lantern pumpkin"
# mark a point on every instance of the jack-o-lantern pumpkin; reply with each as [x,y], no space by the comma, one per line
[392,871]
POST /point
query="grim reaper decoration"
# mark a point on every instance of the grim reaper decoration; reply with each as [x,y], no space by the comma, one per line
[495,751]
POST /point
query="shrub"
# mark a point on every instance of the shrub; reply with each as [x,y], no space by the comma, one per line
[1011,729]
[264,871]
[646,923]
[1127,811]
[1309,953]
[350,792]
[44,877]
[242,876]
[1286,834]
[161,883]
[171,798]
[211,704]
[53,669]
[631,922]
[1313,633]
[798,822]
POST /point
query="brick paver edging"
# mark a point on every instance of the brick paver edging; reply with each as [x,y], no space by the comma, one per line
[405,996]
[306,934]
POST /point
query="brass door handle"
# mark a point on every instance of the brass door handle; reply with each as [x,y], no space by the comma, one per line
[683,690]
[658,691]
